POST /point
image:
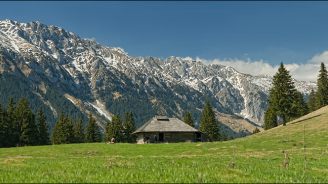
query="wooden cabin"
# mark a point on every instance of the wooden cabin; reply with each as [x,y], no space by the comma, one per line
[161,129]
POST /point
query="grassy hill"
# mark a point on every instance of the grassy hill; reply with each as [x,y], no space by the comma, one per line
[257,158]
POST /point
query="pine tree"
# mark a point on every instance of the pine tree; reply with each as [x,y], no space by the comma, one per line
[58,136]
[92,131]
[322,83]
[312,101]
[42,128]
[6,130]
[282,95]
[114,129]
[208,124]
[299,107]
[69,129]
[187,118]
[129,128]
[4,141]
[14,125]
[79,131]
[63,132]
[26,120]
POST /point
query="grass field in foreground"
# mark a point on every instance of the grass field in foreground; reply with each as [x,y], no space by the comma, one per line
[257,158]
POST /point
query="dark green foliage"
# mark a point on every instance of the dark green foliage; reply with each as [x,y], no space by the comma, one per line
[270,119]
[92,131]
[312,106]
[26,121]
[42,128]
[129,128]
[322,83]
[282,92]
[319,98]
[9,132]
[18,125]
[63,132]
[79,134]
[208,124]
[14,125]
[299,107]
[187,118]
[114,129]
[69,129]
[57,131]
[4,128]
[284,100]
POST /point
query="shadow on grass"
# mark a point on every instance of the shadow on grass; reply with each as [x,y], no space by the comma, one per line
[306,119]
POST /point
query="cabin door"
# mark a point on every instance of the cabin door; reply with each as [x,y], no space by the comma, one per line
[161,137]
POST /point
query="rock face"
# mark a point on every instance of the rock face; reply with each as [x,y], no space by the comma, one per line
[58,70]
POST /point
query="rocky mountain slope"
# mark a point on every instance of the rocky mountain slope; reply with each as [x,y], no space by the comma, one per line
[59,71]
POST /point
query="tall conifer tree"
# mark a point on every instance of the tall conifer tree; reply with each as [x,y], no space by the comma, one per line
[63,132]
[79,133]
[208,124]
[58,136]
[312,106]
[114,129]
[282,97]
[299,107]
[322,83]
[92,131]
[26,120]
[129,128]
[14,125]
[43,128]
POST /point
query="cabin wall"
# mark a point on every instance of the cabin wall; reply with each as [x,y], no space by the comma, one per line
[153,137]
[179,137]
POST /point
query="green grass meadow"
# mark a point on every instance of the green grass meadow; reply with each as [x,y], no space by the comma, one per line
[257,158]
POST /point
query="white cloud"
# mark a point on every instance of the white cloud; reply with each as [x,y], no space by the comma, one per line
[318,58]
[304,72]
[250,67]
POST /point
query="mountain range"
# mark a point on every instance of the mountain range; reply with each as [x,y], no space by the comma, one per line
[61,72]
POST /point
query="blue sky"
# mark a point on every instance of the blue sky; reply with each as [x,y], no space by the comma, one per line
[292,32]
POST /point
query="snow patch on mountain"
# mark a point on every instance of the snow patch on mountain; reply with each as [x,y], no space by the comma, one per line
[101,109]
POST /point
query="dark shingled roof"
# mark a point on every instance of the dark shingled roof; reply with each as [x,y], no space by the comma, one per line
[165,124]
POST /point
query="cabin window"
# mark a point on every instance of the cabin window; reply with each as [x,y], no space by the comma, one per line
[162,118]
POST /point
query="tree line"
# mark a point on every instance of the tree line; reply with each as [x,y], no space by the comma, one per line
[68,130]
[286,103]
[19,126]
